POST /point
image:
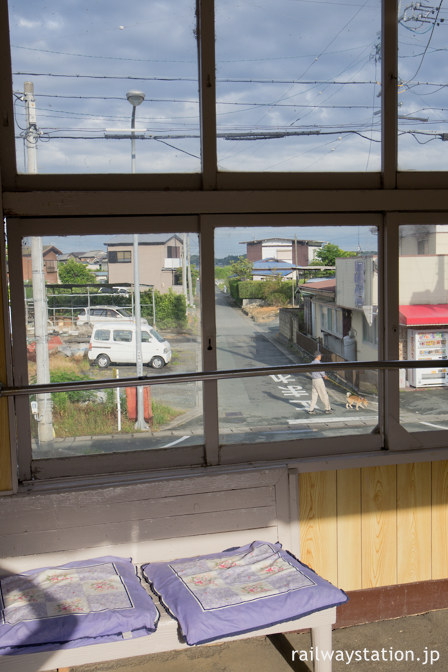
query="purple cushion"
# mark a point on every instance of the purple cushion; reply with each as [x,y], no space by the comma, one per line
[239,590]
[84,602]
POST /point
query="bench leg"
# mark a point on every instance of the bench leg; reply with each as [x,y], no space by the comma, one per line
[321,638]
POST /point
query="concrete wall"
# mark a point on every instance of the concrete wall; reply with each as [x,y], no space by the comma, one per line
[423,279]
[346,285]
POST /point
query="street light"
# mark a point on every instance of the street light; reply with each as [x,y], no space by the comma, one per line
[136,98]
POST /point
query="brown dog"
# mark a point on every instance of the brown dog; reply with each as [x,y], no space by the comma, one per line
[356,400]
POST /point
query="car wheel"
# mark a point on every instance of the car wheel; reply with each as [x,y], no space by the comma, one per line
[103,361]
[157,362]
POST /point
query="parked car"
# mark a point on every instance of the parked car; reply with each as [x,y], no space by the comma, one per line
[123,291]
[96,314]
[115,342]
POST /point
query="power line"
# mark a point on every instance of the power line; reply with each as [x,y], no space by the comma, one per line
[220,80]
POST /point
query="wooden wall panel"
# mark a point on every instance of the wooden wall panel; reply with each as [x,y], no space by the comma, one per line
[318,522]
[440,519]
[379,526]
[376,526]
[349,559]
[413,522]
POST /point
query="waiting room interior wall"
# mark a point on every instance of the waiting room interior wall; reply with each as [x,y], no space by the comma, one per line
[376,526]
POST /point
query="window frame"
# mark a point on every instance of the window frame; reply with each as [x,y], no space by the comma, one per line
[41,203]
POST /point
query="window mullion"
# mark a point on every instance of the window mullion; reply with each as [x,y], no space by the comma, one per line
[7,146]
[210,387]
[390,347]
[207,91]
[389,90]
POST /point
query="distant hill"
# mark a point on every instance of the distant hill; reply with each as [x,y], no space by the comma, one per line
[226,261]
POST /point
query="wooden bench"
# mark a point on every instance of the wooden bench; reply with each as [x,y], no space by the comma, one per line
[155,519]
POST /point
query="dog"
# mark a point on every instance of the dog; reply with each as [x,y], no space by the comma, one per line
[356,400]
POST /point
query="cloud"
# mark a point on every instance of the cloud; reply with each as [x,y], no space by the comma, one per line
[286,66]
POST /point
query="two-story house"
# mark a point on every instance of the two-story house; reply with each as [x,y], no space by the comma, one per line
[160,258]
[50,255]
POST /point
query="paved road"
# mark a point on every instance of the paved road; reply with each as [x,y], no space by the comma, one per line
[268,408]
[272,407]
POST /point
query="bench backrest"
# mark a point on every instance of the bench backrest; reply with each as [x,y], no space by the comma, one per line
[151,520]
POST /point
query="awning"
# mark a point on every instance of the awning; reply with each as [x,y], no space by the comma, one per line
[424,315]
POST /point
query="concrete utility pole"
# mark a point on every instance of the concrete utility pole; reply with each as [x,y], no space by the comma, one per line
[136,98]
[190,285]
[184,266]
[44,402]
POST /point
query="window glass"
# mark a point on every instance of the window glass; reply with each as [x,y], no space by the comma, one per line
[67,343]
[422,34]
[278,290]
[80,60]
[102,334]
[121,335]
[424,325]
[87,422]
[298,85]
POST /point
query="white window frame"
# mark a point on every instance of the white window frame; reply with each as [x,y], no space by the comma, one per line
[41,204]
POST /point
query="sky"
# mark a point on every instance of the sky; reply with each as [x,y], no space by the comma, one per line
[230,241]
[298,84]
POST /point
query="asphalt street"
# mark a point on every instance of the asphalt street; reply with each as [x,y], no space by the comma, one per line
[262,408]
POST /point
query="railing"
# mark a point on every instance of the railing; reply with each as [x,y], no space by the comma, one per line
[225,374]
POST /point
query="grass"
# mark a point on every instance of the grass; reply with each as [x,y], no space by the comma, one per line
[91,413]
[97,419]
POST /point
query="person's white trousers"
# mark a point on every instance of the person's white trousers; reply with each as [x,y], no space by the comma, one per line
[318,390]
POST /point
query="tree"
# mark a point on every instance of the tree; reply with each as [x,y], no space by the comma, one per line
[75,273]
[327,256]
[242,268]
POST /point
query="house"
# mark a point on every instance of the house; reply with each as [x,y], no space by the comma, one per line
[296,252]
[94,260]
[343,313]
[50,255]
[272,268]
[160,258]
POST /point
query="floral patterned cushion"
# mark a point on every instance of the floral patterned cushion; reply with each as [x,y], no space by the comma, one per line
[79,603]
[239,590]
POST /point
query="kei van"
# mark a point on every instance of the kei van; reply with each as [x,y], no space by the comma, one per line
[115,343]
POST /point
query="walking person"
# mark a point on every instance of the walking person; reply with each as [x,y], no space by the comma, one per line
[318,388]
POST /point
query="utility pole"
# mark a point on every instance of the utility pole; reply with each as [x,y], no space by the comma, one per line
[190,285]
[44,402]
[184,266]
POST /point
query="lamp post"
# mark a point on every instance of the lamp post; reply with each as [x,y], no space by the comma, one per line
[136,98]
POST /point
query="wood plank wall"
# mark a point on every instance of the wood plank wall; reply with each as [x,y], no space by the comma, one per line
[5,450]
[376,526]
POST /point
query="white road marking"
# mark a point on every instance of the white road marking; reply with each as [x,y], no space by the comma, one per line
[431,425]
[173,443]
[330,418]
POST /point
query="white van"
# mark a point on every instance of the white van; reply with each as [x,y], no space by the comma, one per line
[115,342]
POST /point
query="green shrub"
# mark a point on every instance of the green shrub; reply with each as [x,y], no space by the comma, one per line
[62,399]
[171,309]
[251,289]
[233,288]
[278,299]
